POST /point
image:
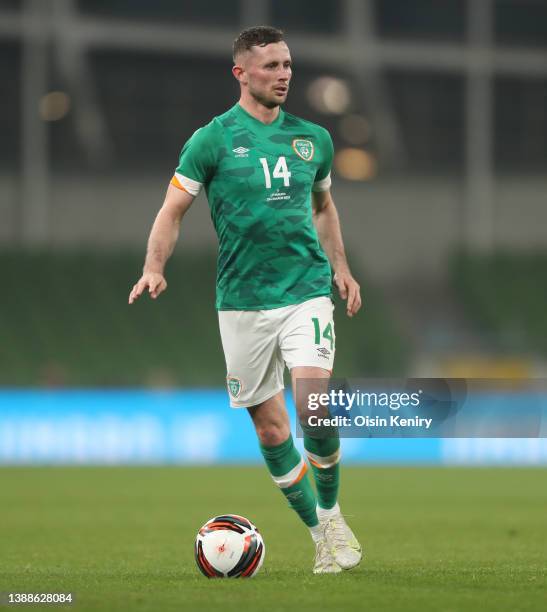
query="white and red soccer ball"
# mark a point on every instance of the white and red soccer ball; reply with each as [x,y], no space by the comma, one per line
[229,546]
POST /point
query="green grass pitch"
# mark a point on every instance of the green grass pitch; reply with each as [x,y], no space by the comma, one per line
[122,539]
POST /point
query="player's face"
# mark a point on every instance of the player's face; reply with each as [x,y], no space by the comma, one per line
[267,73]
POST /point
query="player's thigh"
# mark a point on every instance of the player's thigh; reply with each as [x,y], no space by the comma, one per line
[307,336]
[308,384]
[253,359]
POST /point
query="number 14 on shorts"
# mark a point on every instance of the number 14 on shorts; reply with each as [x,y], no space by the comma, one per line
[327,332]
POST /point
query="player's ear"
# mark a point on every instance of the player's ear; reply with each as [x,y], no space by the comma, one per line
[239,73]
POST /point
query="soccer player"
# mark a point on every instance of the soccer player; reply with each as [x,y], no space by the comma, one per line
[267,178]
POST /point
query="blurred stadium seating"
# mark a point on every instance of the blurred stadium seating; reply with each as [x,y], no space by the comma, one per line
[66,322]
[505,294]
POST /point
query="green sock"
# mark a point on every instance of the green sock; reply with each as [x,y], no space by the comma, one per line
[324,457]
[288,471]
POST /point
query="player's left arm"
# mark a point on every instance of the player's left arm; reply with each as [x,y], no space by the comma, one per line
[327,224]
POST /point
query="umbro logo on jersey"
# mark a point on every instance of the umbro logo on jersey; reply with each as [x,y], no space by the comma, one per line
[241,152]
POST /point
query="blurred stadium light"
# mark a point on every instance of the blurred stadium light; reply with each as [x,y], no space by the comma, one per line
[329,95]
[355,164]
[54,105]
[355,129]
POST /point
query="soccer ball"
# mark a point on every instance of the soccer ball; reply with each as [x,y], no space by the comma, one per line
[229,546]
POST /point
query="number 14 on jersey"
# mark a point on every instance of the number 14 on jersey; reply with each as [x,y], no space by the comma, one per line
[280,171]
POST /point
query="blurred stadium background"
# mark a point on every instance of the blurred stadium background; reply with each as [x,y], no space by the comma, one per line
[439,117]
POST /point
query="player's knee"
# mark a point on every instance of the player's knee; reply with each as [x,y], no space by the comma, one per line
[272,434]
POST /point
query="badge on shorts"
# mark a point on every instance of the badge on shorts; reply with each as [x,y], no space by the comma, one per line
[234,386]
[303,148]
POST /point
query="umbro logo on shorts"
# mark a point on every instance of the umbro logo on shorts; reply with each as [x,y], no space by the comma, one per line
[241,152]
[323,352]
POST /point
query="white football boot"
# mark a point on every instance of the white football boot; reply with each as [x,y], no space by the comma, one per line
[344,546]
[324,559]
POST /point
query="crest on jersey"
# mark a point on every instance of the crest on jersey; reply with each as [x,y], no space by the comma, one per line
[303,148]
[234,386]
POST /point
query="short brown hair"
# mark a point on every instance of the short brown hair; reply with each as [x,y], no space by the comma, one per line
[258,36]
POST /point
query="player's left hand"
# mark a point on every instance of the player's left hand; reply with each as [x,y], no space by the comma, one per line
[349,290]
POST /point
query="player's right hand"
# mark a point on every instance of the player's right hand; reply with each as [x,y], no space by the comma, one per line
[153,281]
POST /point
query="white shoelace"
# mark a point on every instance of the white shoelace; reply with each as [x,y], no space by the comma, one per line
[339,537]
[322,554]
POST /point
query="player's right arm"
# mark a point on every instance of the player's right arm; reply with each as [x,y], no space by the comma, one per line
[162,240]
[197,165]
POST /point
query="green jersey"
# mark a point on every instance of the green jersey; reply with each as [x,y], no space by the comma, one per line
[258,179]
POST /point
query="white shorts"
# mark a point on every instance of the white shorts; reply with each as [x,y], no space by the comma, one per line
[259,343]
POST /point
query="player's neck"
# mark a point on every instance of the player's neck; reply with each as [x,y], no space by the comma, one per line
[259,111]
